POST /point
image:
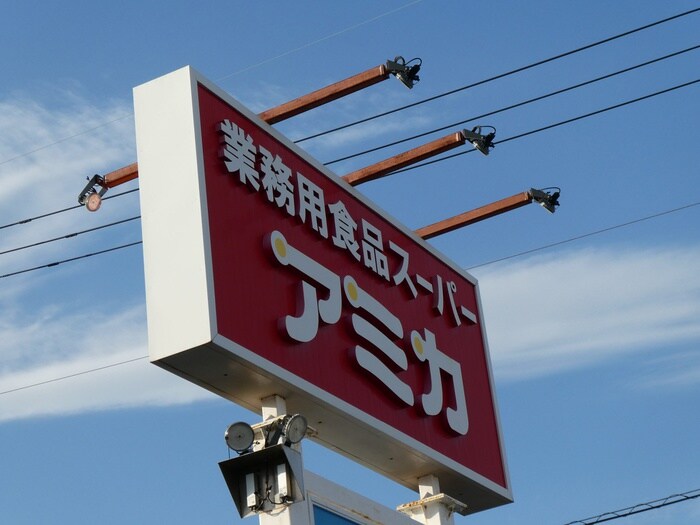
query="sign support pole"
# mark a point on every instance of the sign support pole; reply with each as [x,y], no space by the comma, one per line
[272,407]
[433,507]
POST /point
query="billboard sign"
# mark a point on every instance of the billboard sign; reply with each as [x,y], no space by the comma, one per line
[266,274]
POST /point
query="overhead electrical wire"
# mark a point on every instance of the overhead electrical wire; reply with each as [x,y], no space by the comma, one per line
[63,210]
[64,139]
[517,105]
[70,235]
[56,263]
[258,64]
[551,245]
[70,376]
[589,234]
[463,88]
[500,76]
[639,508]
[597,232]
[521,135]
[555,125]
[322,39]
[506,108]
[608,516]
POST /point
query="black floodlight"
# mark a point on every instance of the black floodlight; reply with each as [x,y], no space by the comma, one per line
[239,437]
[406,73]
[549,201]
[481,142]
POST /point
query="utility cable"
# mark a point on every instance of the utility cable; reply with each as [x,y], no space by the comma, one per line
[56,212]
[551,126]
[440,159]
[64,139]
[69,376]
[500,76]
[517,105]
[266,61]
[639,508]
[585,235]
[463,88]
[70,235]
[568,121]
[463,122]
[86,256]
[322,39]
[477,266]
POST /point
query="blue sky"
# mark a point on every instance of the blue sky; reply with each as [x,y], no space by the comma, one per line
[594,342]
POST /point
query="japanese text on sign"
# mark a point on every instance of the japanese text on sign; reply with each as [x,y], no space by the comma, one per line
[323,292]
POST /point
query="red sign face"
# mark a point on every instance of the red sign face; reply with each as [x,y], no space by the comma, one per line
[312,278]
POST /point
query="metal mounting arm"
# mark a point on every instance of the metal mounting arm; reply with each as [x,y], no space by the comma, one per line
[407,74]
[412,156]
[546,200]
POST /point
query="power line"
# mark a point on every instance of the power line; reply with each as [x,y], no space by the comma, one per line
[266,61]
[56,212]
[517,105]
[500,76]
[501,110]
[69,376]
[86,256]
[440,159]
[535,64]
[551,245]
[532,132]
[639,508]
[64,139]
[323,39]
[590,234]
[598,112]
[656,215]
[70,235]
[555,125]
[463,88]
[568,121]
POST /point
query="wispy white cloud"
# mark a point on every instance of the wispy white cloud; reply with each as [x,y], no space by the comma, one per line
[39,349]
[543,315]
[679,369]
[50,326]
[27,126]
[43,170]
[546,315]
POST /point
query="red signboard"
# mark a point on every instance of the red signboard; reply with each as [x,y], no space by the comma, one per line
[308,278]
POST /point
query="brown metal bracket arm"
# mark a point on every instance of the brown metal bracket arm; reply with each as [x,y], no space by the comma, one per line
[549,201]
[404,71]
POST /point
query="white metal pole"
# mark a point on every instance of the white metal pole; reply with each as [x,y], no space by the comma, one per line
[272,407]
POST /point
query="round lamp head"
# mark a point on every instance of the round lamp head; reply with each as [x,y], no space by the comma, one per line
[295,428]
[93,202]
[239,436]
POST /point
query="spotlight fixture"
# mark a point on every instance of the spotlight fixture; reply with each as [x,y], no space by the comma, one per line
[481,142]
[294,429]
[407,74]
[239,437]
[289,429]
[91,197]
[549,201]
